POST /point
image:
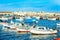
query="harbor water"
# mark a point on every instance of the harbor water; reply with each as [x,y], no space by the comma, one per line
[6,35]
[24,36]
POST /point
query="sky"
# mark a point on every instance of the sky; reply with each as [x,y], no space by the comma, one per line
[30,5]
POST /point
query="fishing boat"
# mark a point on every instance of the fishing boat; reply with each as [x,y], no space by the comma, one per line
[58,26]
[3,18]
[8,26]
[37,17]
[23,28]
[27,17]
[58,23]
[42,30]
[20,19]
[52,18]
[4,25]
[17,27]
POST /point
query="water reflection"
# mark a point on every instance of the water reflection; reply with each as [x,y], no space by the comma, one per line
[43,37]
[24,36]
[21,32]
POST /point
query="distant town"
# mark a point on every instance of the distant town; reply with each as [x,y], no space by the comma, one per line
[37,15]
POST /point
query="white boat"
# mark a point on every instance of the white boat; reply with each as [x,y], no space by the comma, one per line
[17,27]
[4,18]
[58,26]
[8,27]
[37,18]
[23,28]
[4,26]
[20,19]
[27,17]
[51,18]
[42,30]
[58,23]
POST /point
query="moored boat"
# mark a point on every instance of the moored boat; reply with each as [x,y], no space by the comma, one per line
[8,27]
[23,28]
[3,18]
[52,18]
[58,23]
[42,30]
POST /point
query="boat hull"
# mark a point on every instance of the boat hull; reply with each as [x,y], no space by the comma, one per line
[22,30]
[51,18]
[43,32]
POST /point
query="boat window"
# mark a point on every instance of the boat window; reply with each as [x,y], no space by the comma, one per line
[33,26]
[17,24]
[5,26]
[40,28]
[22,24]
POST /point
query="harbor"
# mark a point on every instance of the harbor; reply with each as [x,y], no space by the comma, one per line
[29,19]
[29,26]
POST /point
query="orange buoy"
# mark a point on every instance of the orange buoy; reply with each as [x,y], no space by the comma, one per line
[57,39]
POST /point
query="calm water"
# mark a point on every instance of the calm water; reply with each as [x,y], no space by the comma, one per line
[5,35]
[24,36]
